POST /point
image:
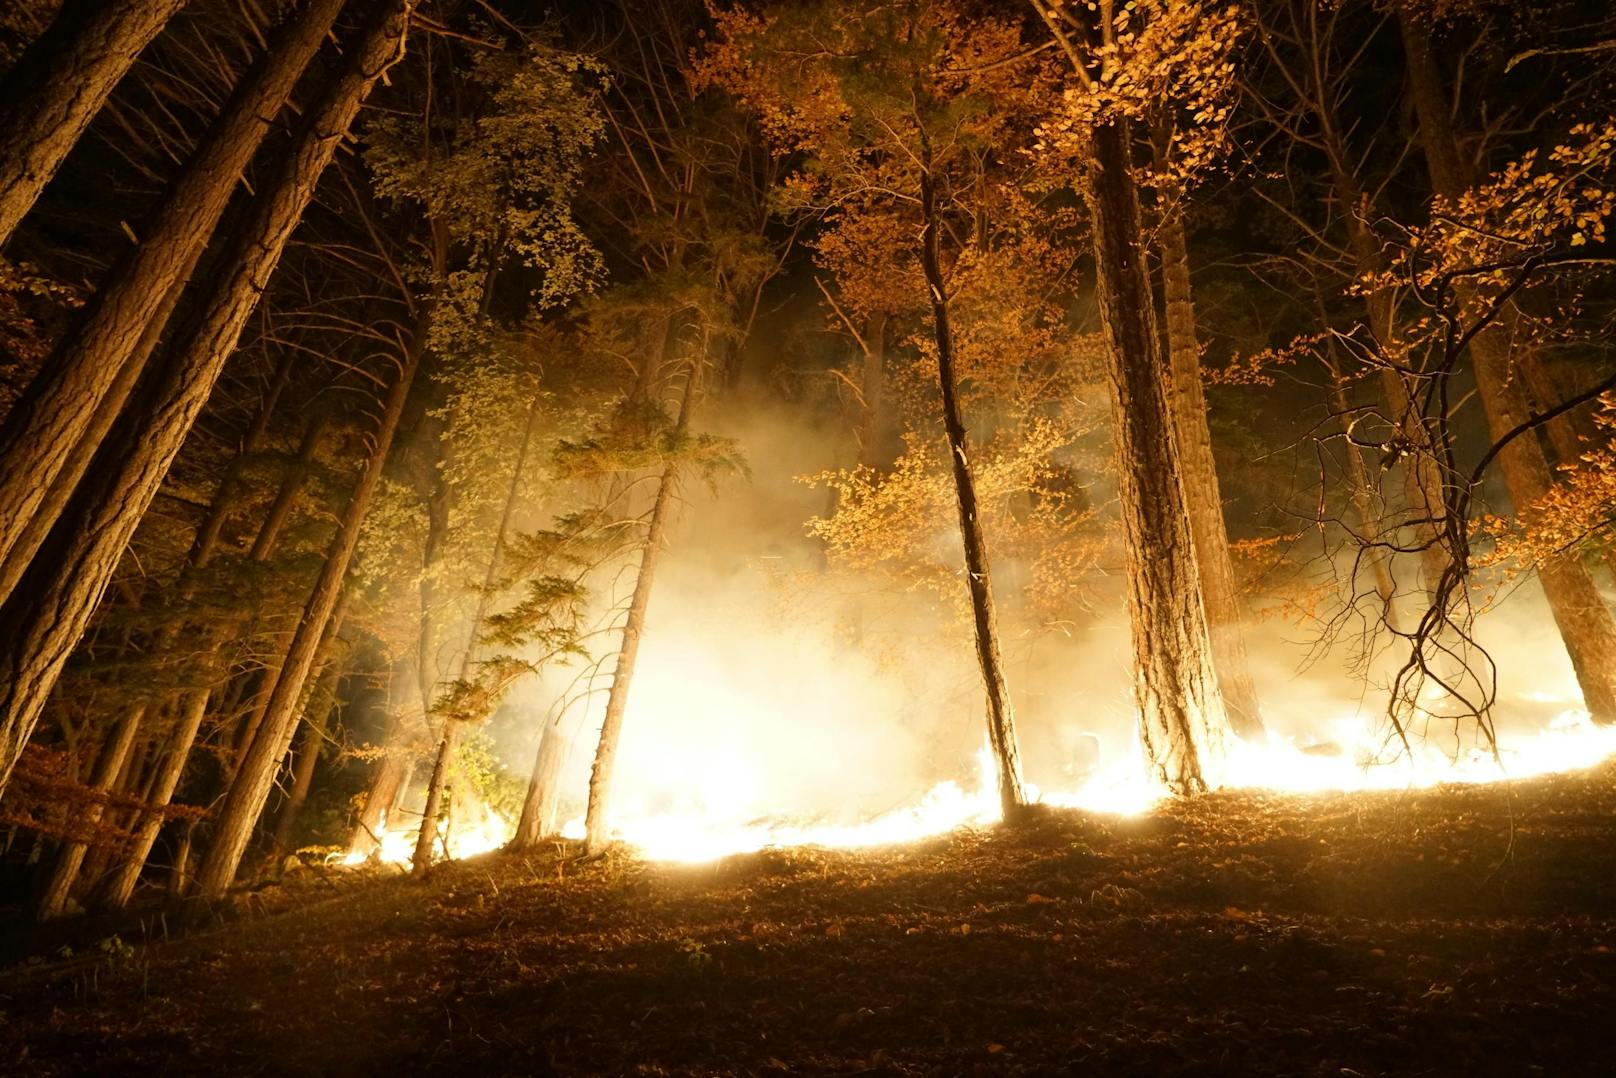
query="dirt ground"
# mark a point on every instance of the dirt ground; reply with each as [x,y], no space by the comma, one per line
[1461,931]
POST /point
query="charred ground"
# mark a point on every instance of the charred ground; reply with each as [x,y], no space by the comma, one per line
[1464,930]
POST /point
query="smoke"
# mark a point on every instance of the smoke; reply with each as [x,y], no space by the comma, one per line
[768,687]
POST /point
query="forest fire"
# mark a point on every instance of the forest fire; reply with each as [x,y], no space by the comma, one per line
[1054,473]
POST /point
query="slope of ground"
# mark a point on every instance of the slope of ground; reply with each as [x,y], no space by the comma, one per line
[1465,930]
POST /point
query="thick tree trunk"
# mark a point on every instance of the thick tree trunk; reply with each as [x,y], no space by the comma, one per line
[1001,718]
[64,414]
[543,790]
[248,792]
[1183,724]
[50,96]
[108,766]
[1202,495]
[49,612]
[1585,623]
[597,813]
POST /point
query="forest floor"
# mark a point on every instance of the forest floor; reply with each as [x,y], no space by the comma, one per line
[1461,931]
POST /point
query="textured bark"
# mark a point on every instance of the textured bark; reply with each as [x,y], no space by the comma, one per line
[61,82]
[50,610]
[245,801]
[543,789]
[1182,721]
[1585,623]
[1202,495]
[66,411]
[597,813]
[1001,717]
[108,766]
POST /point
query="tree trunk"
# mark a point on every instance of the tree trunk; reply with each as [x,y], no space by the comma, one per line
[445,758]
[108,766]
[1585,623]
[1182,721]
[539,807]
[48,614]
[117,890]
[64,414]
[596,820]
[50,96]
[388,781]
[322,702]
[1001,718]
[248,792]
[1202,495]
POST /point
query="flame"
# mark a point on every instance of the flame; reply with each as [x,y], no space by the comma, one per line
[480,831]
[712,815]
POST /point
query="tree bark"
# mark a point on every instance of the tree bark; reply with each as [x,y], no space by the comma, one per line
[596,822]
[65,413]
[1182,720]
[1579,612]
[245,801]
[1202,494]
[108,766]
[1001,717]
[49,612]
[539,807]
[445,758]
[50,96]
[388,780]
[322,702]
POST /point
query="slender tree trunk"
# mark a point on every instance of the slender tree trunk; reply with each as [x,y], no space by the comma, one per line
[872,428]
[48,614]
[389,778]
[1363,503]
[1202,495]
[445,758]
[322,702]
[596,815]
[64,414]
[1001,717]
[50,96]
[170,766]
[248,792]
[539,807]
[1585,623]
[108,766]
[1182,720]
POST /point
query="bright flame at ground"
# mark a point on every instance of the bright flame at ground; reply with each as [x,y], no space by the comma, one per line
[712,820]
[482,831]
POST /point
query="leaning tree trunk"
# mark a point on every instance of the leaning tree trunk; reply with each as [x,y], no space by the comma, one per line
[1182,721]
[1001,716]
[49,612]
[596,821]
[108,766]
[1580,613]
[1202,495]
[390,777]
[50,96]
[543,788]
[321,703]
[245,801]
[65,413]
[431,814]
